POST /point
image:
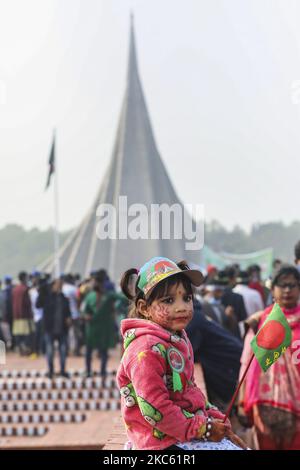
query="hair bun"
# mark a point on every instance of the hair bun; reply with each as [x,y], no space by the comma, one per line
[125,283]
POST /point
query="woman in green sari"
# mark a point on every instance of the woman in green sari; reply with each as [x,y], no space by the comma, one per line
[100,329]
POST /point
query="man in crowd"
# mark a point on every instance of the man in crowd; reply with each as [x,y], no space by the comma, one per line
[252,299]
[232,299]
[214,309]
[70,291]
[7,292]
[37,313]
[23,326]
[56,321]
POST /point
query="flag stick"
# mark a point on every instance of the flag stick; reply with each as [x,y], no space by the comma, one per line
[56,218]
[238,389]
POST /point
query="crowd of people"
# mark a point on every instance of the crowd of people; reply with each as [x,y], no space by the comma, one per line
[81,316]
[173,313]
[229,309]
[38,312]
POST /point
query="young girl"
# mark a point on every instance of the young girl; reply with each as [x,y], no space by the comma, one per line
[161,405]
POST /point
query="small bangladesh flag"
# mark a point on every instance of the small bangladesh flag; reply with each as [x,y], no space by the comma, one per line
[272,338]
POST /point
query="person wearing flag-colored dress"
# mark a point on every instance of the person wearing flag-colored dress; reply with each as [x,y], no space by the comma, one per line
[272,399]
[100,331]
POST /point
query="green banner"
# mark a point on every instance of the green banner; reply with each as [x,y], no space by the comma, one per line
[263,258]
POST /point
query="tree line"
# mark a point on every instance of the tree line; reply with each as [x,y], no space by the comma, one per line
[26,249]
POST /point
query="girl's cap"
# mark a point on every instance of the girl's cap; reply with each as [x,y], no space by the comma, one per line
[158,269]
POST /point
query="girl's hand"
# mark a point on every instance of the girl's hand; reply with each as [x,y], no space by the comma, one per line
[228,423]
[88,317]
[218,430]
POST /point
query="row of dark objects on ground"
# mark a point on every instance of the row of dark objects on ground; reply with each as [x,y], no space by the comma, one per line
[40,384]
[28,399]
[28,431]
[103,405]
[14,373]
[43,418]
[75,395]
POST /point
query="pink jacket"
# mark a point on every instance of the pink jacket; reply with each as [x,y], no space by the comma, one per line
[154,363]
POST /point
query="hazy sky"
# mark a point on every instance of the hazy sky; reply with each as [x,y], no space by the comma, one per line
[222,83]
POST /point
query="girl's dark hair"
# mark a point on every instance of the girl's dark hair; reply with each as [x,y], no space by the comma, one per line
[161,290]
[286,270]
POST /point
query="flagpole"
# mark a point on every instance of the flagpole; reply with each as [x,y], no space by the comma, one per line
[56,217]
[238,389]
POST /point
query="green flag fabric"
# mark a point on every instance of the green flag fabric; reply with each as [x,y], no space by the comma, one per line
[263,257]
[272,339]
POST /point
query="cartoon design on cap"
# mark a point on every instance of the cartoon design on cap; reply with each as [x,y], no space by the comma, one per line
[159,268]
[163,267]
[150,414]
[128,337]
[160,349]
[129,395]
[154,271]
[159,271]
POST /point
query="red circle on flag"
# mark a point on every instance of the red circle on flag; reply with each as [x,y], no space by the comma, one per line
[271,335]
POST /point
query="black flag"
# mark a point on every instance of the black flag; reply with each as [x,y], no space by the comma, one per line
[51,163]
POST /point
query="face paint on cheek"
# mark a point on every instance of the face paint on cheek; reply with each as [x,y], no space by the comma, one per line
[161,314]
[190,313]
